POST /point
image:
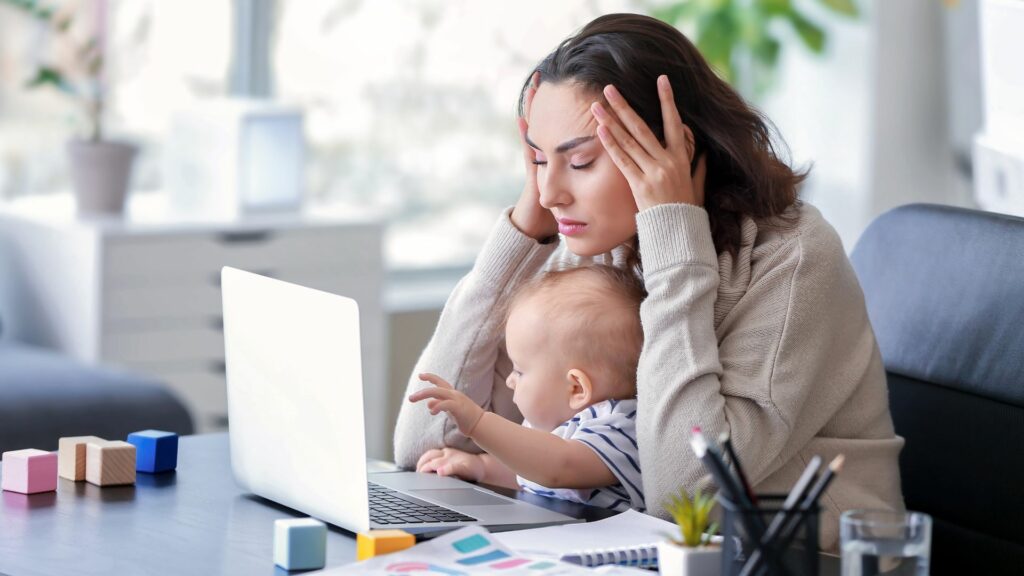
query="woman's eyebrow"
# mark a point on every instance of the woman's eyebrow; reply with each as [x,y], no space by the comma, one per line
[564,146]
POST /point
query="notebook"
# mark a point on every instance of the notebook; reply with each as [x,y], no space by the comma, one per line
[626,539]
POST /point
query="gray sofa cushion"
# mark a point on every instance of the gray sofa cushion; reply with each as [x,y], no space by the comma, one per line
[44,396]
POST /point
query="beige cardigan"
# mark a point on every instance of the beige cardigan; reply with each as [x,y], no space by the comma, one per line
[773,346]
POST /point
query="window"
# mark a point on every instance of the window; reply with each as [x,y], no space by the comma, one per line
[411,108]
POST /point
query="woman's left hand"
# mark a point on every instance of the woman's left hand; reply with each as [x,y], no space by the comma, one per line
[656,174]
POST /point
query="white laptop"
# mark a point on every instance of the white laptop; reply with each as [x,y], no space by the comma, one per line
[295,408]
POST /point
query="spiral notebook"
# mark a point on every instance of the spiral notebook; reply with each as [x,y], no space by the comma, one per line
[626,539]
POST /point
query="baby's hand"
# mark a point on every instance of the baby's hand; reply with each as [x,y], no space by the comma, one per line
[464,411]
[452,462]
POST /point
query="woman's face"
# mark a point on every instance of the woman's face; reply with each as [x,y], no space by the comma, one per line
[579,183]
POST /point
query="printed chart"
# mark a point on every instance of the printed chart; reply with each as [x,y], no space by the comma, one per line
[465,552]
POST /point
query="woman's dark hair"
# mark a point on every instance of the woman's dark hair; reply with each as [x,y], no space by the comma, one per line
[745,175]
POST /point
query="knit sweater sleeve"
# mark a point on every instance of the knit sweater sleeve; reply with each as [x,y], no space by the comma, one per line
[770,381]
[467,348]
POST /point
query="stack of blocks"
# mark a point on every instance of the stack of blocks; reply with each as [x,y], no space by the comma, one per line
[95,460]
[300,543]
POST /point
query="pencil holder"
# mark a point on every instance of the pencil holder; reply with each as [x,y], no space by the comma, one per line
[791,550]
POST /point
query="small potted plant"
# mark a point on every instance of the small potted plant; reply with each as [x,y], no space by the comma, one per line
[693,554]
[100,168]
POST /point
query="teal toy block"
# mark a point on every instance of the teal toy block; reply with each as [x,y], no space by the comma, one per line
[300,543]
[155,450]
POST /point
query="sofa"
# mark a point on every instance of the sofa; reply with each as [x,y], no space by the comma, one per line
[44,396]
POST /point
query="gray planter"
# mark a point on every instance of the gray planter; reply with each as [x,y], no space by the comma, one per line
[100,173]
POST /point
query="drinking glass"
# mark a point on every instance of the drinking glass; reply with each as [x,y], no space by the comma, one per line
[882,542]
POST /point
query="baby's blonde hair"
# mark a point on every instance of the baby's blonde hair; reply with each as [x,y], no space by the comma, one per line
[597,310]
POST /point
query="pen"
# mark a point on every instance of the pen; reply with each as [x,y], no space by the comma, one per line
[726,482]
[725,440]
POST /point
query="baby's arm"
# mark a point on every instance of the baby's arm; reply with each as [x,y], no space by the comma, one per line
[536,455]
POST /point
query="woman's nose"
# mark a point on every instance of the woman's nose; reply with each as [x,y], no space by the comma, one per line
[552,190]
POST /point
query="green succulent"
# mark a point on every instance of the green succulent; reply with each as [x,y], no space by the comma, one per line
[692,517]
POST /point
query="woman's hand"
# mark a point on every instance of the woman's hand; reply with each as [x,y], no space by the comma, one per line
[442,396]
[656,174]
[452,462]
[528,215]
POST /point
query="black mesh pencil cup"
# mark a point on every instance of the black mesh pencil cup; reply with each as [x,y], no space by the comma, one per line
[752,547]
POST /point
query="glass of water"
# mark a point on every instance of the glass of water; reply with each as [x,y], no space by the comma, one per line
[885,542]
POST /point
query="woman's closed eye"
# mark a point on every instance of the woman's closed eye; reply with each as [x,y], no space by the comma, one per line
[571,165]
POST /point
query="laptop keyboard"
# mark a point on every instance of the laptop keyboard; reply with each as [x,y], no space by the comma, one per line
[388,506]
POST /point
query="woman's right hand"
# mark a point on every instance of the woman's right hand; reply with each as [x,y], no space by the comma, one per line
[528,215]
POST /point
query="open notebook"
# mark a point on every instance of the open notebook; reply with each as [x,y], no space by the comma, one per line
[629,539]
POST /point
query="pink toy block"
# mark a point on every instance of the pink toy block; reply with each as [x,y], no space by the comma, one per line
[29,471]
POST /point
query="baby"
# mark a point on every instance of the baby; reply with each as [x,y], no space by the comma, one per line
[574,338]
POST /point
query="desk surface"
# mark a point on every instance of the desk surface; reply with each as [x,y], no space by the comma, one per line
[193,521]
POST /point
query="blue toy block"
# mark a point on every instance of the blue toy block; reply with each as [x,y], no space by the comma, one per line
[155,450]
[300,543]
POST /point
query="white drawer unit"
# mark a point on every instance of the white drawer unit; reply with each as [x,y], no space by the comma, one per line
[144,293]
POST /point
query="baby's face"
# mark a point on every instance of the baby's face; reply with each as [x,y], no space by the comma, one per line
[539,379]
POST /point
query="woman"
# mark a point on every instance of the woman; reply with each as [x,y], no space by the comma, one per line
[754,323]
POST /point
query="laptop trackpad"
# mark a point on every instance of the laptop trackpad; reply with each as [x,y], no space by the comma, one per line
[461,497]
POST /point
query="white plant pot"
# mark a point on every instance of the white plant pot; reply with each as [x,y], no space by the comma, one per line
[674,560]
[100,173]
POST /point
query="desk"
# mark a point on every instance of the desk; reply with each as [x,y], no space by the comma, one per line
[193,521]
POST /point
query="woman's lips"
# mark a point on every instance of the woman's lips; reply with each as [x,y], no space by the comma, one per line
[570,227]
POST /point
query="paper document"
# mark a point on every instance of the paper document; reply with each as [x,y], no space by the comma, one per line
[471,550]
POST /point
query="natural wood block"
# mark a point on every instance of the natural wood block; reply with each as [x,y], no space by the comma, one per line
[110,463]
[71,456]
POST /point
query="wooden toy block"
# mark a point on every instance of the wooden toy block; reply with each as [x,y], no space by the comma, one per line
[378,542]
[29,471]
[300,543]
[109,463]
[71,456]
[155,450]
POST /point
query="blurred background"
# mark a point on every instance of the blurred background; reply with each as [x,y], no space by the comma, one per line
[401,115]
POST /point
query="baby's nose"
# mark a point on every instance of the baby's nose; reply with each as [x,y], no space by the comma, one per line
[511,381]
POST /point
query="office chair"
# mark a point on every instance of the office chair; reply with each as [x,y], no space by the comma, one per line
[944,288]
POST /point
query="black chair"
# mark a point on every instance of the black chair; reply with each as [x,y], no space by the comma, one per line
[945,293]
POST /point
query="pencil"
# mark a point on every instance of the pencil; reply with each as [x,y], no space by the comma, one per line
[792,501]
[815,494]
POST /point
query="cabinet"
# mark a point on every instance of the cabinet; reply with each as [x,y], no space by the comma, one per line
[143,291]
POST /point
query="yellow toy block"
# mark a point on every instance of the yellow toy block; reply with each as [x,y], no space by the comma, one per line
[378,542]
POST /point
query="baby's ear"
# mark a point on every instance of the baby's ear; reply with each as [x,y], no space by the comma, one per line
[581,393]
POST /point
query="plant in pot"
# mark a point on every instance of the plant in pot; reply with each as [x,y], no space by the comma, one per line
[693,553]
[741,38]
[100,168]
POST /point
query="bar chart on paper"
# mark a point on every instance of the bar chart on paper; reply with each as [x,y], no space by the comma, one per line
[465,552]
